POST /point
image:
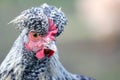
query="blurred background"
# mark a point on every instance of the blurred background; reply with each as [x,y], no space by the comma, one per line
[90,43]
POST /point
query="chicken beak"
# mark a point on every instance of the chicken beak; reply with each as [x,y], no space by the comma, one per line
[46,50]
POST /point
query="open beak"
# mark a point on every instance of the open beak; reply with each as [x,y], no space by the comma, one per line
[47,50]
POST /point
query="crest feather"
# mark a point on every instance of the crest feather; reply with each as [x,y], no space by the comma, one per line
[37,18]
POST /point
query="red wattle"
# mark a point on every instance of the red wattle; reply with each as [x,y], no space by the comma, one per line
[40,54]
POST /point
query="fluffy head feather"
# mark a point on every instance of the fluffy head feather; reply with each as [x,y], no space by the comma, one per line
[37,18]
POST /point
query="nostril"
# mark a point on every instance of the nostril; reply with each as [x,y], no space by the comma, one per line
[47,47]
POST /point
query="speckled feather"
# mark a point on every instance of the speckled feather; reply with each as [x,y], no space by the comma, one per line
[21,64]
[37,18]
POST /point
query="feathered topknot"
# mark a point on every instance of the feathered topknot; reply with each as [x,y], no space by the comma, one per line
[36,19]
[33,19]
[57,15]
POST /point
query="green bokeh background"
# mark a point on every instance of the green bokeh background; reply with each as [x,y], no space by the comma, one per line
[75,50]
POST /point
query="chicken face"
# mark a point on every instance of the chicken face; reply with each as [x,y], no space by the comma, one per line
[40,44]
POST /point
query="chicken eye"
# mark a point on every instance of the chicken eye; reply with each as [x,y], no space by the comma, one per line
[34,36]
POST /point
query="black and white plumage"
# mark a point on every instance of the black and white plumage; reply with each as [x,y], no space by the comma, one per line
[23,63]
[30,18]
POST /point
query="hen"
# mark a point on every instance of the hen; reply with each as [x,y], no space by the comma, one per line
[34,54]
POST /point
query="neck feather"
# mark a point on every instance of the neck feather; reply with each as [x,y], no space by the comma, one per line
[16,63]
